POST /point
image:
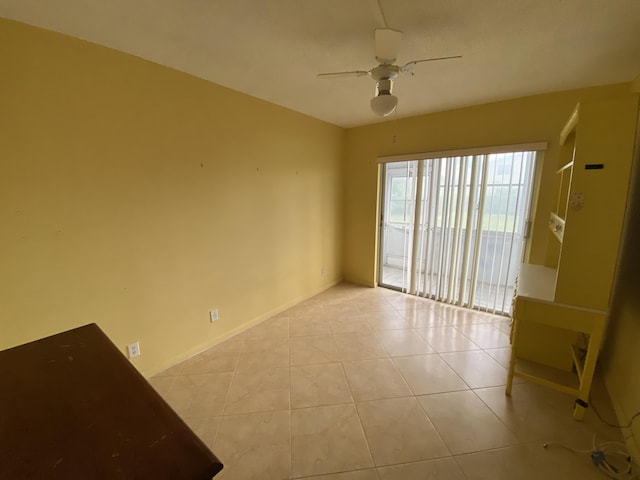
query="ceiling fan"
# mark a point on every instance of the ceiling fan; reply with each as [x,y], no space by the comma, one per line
[387,44]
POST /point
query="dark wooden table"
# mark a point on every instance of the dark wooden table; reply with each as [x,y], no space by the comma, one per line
[73,407]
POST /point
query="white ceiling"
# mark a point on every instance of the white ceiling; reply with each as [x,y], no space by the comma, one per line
[273,49]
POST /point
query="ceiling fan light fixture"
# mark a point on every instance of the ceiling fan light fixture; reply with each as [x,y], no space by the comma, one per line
[387,44]
[384,104]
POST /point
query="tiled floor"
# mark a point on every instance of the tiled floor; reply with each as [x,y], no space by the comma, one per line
[364,384]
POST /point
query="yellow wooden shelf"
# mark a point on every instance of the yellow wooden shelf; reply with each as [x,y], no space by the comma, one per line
[571,125]
[565,167]
[578,363]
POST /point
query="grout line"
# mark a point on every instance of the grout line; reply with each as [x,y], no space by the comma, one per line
[332,474]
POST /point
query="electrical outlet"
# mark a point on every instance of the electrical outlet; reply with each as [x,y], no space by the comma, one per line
[213,315]
[133,349]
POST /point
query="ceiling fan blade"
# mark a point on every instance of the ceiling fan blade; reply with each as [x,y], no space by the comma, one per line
[353,73]
[387,45]
[407,67]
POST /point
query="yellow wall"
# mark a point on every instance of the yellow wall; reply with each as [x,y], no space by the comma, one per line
[523,120]
[139,197]
[621,354]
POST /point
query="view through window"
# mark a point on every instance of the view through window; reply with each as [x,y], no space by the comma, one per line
[453,229]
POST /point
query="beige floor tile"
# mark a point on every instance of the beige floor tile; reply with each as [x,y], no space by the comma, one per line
[504,464]
[340,310]
[368,474]
[500,355]
[265,344]
[465,423]
[485,335]
[374,379]
[255,446]
[316,325]
[305,309]
[373,304]
[439,469]
[277,326]
[220,358]
[446,311]
[258,391]
[504,326]
[313,349]
[210,361]
[358,346]
[193,396]
[476,368]
[561,464]
[388,320]
[528,462]
[278,357]
[161,384]
[466,316]
[443,307]
[173,371]
[380,291]
[496,317]
[327,440]
[446,339]
[423,318]
[427,374]
[537,413]
[355,324]
[343,291]
[318,385]
[403,342]
[403,301]
[398,431]
[315,300]
[230,346]
[205,428]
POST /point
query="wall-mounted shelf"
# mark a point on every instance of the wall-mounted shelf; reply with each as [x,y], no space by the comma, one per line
[559,304]
[570,126]
[564,175]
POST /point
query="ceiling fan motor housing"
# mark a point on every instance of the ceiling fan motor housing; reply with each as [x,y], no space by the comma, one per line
[385,72]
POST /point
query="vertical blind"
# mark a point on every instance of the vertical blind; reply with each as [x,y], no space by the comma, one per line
[454,226]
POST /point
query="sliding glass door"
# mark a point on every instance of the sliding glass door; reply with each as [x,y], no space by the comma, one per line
[453,229]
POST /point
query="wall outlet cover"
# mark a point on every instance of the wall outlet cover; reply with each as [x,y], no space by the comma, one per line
[133,349]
